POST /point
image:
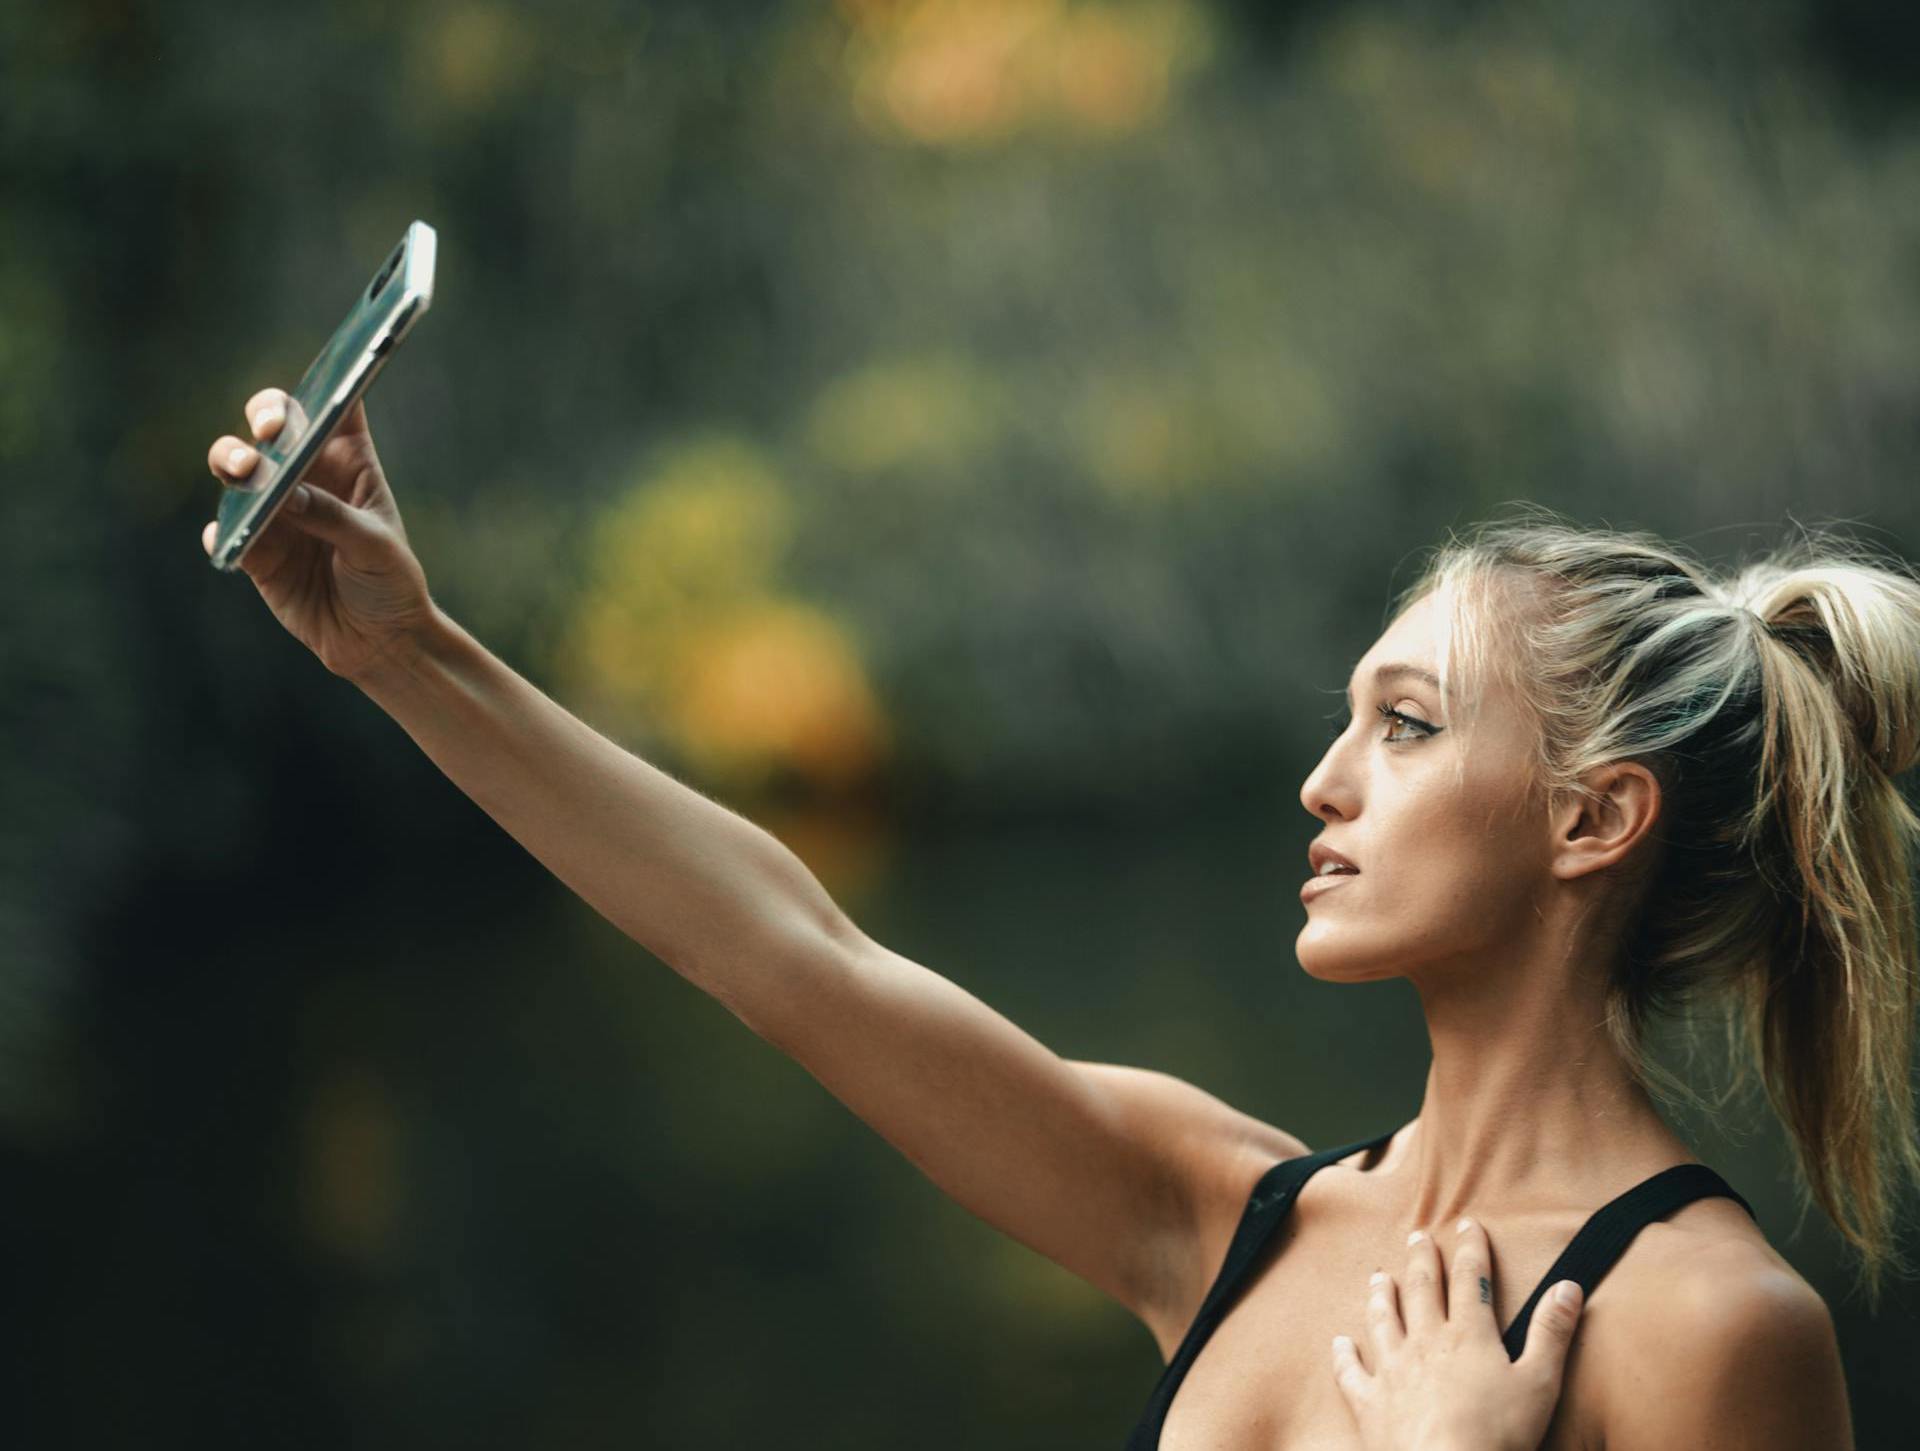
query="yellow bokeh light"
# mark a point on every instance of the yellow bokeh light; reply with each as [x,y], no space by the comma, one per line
[968,72]
[1112,72]
[776,684]
[903,412]
[681,633]
[958,69]
[710,520]
[623,651]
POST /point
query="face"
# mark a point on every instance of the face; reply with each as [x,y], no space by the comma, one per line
[1450,860]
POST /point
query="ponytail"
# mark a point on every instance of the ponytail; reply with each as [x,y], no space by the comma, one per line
[1829,1019]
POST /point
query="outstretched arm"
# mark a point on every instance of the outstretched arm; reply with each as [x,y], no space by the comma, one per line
[1129,1178]
[1115,1173]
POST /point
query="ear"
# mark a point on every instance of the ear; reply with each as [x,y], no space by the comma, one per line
[1595,832]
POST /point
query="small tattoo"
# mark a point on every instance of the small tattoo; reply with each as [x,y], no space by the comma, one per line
[1486,1291]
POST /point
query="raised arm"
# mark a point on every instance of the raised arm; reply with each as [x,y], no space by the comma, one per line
[1129,1178]
[1106,1170]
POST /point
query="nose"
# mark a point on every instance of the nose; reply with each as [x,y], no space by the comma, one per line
[1326,793]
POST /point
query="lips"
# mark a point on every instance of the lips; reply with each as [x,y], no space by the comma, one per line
[1319,886]
[1320,854]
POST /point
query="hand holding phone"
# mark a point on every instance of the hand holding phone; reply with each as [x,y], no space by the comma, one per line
[338,573]
[308,513]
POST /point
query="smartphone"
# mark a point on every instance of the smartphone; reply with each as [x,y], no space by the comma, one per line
[380,317]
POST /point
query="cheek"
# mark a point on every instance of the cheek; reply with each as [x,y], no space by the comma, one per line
[1435,900]
[1466,859]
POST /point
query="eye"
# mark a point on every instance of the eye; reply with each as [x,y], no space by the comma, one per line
[1394,718]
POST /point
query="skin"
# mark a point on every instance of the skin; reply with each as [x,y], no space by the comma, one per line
[1442,1380]
[1488,901]
[339,573]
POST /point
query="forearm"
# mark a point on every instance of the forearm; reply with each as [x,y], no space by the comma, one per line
[717,898]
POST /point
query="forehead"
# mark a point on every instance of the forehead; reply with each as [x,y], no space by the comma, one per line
[1416,637]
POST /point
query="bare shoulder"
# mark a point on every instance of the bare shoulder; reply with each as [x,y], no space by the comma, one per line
[1707,1338]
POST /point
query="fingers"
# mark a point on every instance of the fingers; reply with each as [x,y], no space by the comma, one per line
[1383,1317]
[358,533]
[267,412]
[1420,1287]
[1470,1280]
[1550,1331]
[1352,1378]
[230,459]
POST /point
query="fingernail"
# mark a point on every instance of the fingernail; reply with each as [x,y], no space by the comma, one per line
[1463,1226]
[1566,1292]
[298,500]
[267,415]
[1415,1237]
[1379,1277]
[237,457]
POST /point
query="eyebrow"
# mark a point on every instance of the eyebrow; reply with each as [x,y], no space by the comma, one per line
[1395,671]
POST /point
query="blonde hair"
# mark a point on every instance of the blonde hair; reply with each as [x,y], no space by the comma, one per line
[1774,706]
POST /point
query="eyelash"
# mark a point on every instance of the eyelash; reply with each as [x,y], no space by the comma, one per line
[1388,713]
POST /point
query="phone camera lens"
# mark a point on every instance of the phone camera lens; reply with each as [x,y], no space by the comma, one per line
[379,282]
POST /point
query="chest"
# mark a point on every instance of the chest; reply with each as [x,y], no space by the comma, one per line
[1264,1379]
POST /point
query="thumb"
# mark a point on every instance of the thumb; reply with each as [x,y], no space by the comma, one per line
[1550,1331]
[326,516]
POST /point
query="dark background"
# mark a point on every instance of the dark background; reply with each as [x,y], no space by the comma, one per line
[1057,391]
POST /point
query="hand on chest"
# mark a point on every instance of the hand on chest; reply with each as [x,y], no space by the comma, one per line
[1264,1381]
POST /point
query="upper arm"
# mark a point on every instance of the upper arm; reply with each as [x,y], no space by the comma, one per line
[1211,1153]
[1103,1169]
[1742,1358]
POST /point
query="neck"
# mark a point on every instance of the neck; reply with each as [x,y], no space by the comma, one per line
[1527,1101]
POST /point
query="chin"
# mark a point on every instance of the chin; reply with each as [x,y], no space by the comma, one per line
[1333,962]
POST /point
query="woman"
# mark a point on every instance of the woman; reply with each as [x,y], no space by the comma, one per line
[1581,780]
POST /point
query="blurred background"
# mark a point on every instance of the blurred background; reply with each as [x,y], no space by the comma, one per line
[972,438]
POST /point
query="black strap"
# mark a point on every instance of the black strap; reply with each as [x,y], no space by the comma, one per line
[1611,1228]
[1269,1203]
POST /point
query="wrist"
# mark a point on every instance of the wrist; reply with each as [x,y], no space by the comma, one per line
[409,655]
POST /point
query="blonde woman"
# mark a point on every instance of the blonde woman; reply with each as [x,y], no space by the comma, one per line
[1582,782]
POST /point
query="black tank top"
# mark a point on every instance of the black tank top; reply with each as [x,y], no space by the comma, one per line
[1587,1257]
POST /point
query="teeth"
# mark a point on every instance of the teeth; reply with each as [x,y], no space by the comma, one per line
[1331,867]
